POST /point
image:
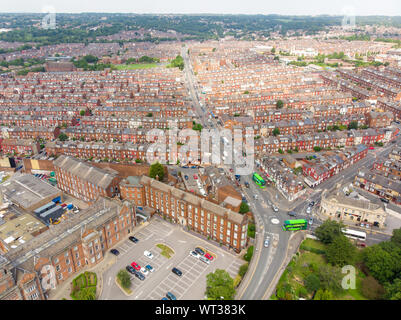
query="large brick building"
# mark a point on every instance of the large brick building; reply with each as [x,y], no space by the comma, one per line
[84,181]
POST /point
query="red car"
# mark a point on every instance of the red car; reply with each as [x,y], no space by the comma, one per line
[63,205]
[209,256]
[195,176]
[136,266]
[371,148]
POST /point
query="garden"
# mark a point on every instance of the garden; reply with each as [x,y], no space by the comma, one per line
[84,286]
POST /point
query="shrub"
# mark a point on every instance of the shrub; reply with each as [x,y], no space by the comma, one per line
[248,254]
[312,282]
[302,292]
[243,269]
[372,289]
[311,249]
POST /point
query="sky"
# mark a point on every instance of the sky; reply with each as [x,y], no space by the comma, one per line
[284,7]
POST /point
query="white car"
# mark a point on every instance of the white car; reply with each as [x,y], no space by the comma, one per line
[267,241]
[148,254]
[308,210]
[194,254]
[275,209]
[144,271]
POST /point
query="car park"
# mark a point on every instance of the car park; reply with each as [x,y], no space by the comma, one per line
[177,272]
[115,252]
[133,239]
[200,251]
[170,296]
[194,254]
[148,254]
[136,266]
[149,268]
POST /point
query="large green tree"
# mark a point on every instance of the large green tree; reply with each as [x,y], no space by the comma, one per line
[328,231]
[156,170]
[393,291]
[219,286]
[124,278]
[312,282]
[396,237]
[330,278]
[341,251]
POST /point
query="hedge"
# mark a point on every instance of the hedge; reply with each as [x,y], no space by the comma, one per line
[311,249]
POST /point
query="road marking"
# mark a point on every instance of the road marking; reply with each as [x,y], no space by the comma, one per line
[108,283]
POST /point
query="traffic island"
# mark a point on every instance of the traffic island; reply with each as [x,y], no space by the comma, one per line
[166,251]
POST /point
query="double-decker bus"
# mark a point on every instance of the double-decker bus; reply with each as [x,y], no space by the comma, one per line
[293,225]
[353,234]
[259,180]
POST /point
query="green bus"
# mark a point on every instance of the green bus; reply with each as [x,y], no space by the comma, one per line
[293,225]
[259,180]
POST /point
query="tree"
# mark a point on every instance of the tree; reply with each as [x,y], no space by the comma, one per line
[340,251]
[280,151]
[317,148]
[279,104]
[393,291]
[82,113]
[244,208]
[353,125]
[156,169]
[396,237]
[312,282]
[219,285]
[383,265]
[276,132]
[323,295]
[124,278]
[371,288]
[330,278]
[329,230]
[62,137]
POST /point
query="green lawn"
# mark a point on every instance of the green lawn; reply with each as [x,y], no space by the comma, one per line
[136,66]
[166,251]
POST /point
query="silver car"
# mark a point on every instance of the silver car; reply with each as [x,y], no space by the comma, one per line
[267,242]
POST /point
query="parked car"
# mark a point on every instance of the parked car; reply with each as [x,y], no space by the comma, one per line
[186,177]
[133,239]
[136,266]
[267,242]
[194,254]
[247,184]
[203,259]
[311,204]
[275,209]
[292,213]
[371,148]
[170,296]
[177,272]
[144,271]
[115,252]
[209,256]
[148,254]
[164,298]
[130,269]
[150,268]
[311,221]
[195,176]
[139,275]
[200,251]
[255,196]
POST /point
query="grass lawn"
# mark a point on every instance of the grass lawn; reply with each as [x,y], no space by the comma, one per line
[83,286]
[166,251]
[136,66]
[314,244]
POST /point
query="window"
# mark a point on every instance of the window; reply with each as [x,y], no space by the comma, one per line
[67,261]
[57,268]
[35,295]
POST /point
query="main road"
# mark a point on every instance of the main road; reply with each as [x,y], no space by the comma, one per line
[268,260]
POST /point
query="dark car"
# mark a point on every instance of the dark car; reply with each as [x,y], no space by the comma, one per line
[200,251]
[177,272]
[384,200]
[133,239]
[115,252]
[311,204]
[247,184]
[139,275]
[292,213]
[130,269]
[170,296]
[186,177]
